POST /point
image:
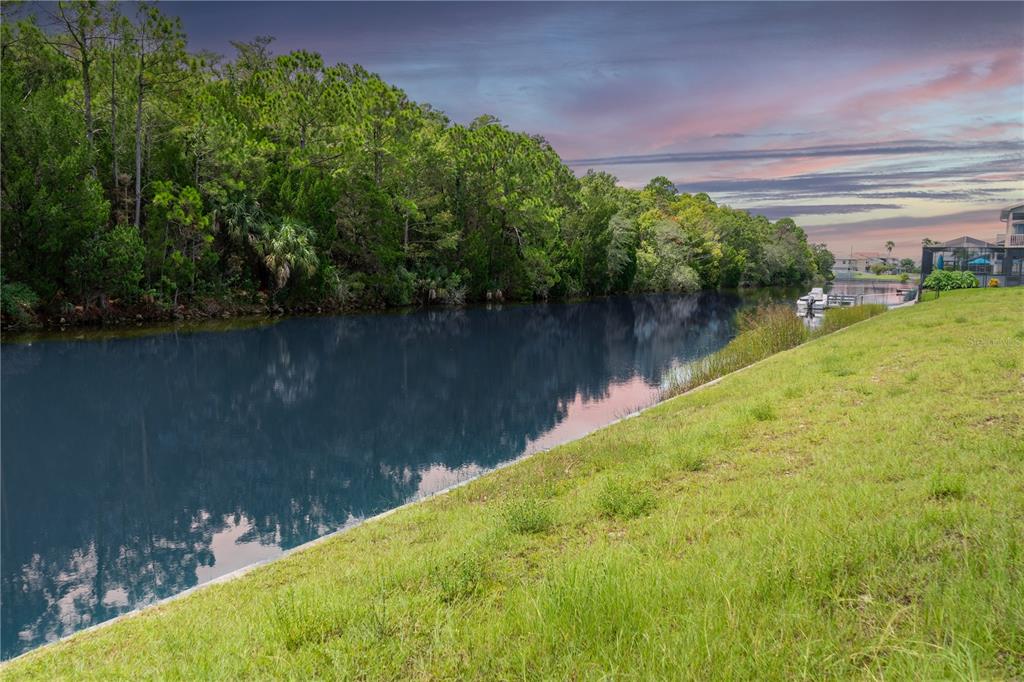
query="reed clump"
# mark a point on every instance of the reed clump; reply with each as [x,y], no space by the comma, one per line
[837,318]
[763,331]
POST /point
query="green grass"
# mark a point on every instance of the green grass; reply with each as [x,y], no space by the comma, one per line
[791,521]
[527,515]
[911,277]
[837,318]
[625,499]
[763,332]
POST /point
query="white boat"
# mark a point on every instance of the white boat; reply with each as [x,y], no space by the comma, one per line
[812,304]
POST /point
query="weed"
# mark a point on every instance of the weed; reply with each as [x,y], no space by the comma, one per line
[792,392]
[691,461]
[297,619]
[946,486]
[527,515]
[763,412]
[460,577]
[624,499]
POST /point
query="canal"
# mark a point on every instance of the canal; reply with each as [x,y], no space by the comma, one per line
[136,468]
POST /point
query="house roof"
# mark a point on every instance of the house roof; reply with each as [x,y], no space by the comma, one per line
[963,242]
[1005,213]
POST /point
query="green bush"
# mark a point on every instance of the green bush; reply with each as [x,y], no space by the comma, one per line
[110,263]
[17,301]
[945,280]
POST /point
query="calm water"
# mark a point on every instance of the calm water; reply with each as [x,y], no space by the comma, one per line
[135,468]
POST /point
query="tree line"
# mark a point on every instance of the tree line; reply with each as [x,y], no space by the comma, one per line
[136,172]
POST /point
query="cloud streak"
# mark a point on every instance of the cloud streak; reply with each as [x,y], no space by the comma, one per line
[896,148]
[776,212]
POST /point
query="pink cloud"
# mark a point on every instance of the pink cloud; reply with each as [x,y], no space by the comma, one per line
[846,105]
[962,80]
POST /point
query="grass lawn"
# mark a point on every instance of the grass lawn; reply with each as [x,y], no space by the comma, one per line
[850,508]
[885,277]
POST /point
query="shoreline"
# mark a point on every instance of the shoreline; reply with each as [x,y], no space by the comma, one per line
[245,317]
[659,400]
[756,470]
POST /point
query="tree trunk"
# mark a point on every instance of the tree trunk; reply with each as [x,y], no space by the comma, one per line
[113,118]
[138,149]
[378,161]
[87,96]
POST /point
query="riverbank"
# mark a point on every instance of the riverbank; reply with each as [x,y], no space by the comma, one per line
[147,319]
[866,277]
[849,508]
[118,317]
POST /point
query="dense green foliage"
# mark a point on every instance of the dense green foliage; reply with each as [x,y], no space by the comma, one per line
[137,172]
[945,280]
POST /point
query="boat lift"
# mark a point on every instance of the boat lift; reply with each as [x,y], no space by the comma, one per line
[814,303]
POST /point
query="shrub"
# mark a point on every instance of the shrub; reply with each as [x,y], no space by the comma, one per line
[945,280]
[624,499]
[17,301]
[993,283]
[683,279]
[110,263]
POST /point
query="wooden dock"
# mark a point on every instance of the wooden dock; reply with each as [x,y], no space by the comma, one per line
[897,297]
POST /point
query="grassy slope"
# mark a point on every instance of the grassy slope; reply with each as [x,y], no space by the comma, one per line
[854,507]
[887,278]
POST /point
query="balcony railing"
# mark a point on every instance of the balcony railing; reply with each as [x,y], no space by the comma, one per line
[1010,239]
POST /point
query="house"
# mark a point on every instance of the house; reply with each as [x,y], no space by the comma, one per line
[861,261]
[1013,234]
[1001,259]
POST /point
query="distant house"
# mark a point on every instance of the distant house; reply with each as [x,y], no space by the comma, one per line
[861,261]
[1001,259]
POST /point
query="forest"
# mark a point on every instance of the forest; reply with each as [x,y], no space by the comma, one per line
[139,177]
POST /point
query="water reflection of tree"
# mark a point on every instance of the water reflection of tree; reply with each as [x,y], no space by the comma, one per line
[123,458]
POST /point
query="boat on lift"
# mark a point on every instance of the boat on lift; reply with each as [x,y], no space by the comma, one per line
[813,303]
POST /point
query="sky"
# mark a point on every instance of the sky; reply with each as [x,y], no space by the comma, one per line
[863,121]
